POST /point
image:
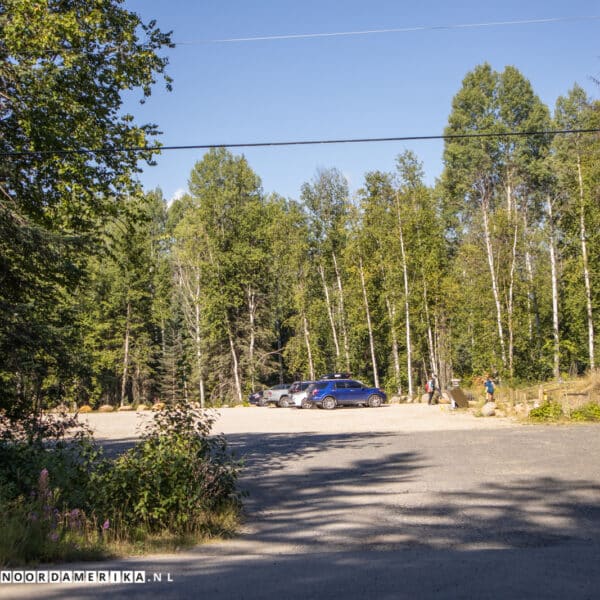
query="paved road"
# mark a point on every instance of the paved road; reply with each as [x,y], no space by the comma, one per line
[404,501]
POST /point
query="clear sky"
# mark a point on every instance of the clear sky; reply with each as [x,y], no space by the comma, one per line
[356,86]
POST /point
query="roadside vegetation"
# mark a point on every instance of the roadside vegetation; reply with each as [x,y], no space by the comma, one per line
[62,499]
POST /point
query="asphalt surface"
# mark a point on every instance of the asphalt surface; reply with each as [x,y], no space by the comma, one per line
[405,501]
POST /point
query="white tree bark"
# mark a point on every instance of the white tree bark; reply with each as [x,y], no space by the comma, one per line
[189,281]
[554,274]
[235,368]
[198,343]
[511,293]
[395,353]
[126,354]
[490,257]
[433,361]
[406,303]
[586,270]
[342,313]
[330,314]
[369,326]
[311,366]
[252,319]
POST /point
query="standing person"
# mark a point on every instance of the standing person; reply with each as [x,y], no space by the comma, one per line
[489,389]
[430,388]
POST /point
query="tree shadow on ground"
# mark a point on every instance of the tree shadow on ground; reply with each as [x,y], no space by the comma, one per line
[370,521]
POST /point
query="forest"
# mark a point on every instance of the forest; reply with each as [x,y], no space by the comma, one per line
[110,295]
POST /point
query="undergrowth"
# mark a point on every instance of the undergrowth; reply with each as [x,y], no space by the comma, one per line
[61,499]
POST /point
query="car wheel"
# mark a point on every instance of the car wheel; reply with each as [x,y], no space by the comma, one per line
[284,402]
[374,401]
[262,402]
[306,403]
[329,402]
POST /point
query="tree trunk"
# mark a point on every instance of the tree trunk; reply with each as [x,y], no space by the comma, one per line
[406,303]
[330,314]
[554,271]
[511,289]
[395,352]
[369,326]
[198,342]
[235,368]
[586,270]
[434,368]
[342,313]
[252,319]
[490,257]
[126,355]
[311,367]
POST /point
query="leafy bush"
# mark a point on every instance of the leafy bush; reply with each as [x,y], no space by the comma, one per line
[587,412]
[548,411]
[59,499]
[58,443]
[173,479]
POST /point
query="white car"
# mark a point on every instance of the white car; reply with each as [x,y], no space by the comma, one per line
[298,396]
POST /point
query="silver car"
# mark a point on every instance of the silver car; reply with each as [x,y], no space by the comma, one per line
[278,394]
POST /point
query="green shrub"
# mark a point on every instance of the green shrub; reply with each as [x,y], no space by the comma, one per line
[548,411]
[587,412]
[60,500]
[58,443]
[173,479]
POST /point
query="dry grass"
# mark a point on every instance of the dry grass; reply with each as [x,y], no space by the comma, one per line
[570,394]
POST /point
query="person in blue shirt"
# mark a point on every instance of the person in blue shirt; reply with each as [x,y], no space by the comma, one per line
[489,389]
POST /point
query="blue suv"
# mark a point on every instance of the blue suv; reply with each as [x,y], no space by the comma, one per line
[331,393]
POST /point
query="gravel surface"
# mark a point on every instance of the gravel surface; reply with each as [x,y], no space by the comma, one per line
[405,501]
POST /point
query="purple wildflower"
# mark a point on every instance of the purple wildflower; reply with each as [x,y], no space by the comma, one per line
[106,525]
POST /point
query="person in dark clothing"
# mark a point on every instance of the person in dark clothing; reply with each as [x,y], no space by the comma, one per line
[430,388]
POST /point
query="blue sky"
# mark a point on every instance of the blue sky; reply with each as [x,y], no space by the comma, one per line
[378,85]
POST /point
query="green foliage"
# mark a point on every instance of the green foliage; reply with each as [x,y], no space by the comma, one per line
[59,444]
[547,412]
[65,68]
[45,490]
[60,499]
[588,412]
[173,479]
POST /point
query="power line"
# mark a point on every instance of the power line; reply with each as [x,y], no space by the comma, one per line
[296,36]
[411,138]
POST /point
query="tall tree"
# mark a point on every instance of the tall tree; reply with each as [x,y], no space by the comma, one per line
[326,199]
[491,181]
[577,164]
[234,280]
[65,66]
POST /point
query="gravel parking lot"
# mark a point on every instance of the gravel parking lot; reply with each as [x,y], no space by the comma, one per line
[404,501]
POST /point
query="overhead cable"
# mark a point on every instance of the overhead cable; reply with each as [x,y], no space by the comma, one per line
[410,138]
[297,36]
